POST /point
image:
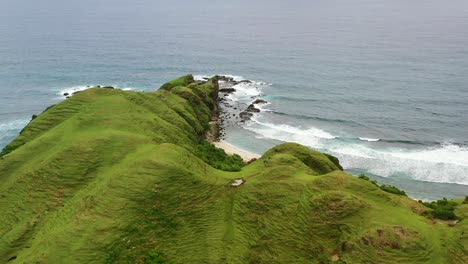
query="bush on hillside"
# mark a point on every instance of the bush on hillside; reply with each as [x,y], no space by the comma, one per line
[384,187]
[442,209]
[153,257]
[217,158]
[392,189]
[362,176]
[443,214]
[443,203]
[182,81]
[334,160]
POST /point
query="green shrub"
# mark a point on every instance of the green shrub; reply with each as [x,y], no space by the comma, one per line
[442,203]
[8,149]
[362,176]
[182,81]
[444,214]
[154,257]
[392,189]
[384,187]
[442,209]
[334,160]
[217,158]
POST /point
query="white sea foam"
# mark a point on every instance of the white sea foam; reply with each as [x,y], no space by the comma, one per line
[445,163]
[13,125]
[309,136]
[73,89]
[245,92]
[79,88]
[447,153]
[440,164]
[201,77]
[10,129]
[126,88]
[262,106]
[236,78]
[369,139]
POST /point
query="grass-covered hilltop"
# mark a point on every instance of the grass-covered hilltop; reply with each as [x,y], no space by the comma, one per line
[112,176]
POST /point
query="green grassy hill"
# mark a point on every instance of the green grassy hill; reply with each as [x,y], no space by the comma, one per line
[112,176]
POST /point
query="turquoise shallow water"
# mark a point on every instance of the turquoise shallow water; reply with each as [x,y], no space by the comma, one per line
[381,84]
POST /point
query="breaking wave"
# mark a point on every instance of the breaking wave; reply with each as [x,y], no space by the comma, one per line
[440,163]
[9,130]
[369,139]
[68,91]
[424,161]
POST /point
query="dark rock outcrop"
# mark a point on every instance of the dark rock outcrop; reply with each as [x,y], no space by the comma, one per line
[244,116]
[260,101]
[253,109]
[223,78]
[227,90]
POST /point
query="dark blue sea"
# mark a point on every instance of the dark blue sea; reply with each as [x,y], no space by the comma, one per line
[382,84]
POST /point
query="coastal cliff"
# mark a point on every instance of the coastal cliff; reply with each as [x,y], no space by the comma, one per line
[112,176]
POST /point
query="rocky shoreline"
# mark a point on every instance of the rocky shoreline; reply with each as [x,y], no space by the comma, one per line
[232,113]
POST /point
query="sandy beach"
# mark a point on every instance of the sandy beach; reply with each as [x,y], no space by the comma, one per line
[230,149]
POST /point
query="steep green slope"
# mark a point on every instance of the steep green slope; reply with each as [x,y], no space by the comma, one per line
[117,176]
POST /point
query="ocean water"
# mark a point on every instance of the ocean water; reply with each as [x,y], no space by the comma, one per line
[381,84]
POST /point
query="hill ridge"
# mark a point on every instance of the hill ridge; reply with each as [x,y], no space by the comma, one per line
[112,176]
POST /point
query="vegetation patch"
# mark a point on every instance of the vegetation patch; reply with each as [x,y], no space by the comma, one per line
[218,158]
[318,162]
[366,178]
[129,176]
[383,187]
[154,257]
[392,189]
[182,81]
[335,206]
[442,209]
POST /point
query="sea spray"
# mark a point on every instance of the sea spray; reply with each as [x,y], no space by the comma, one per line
[434,162]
